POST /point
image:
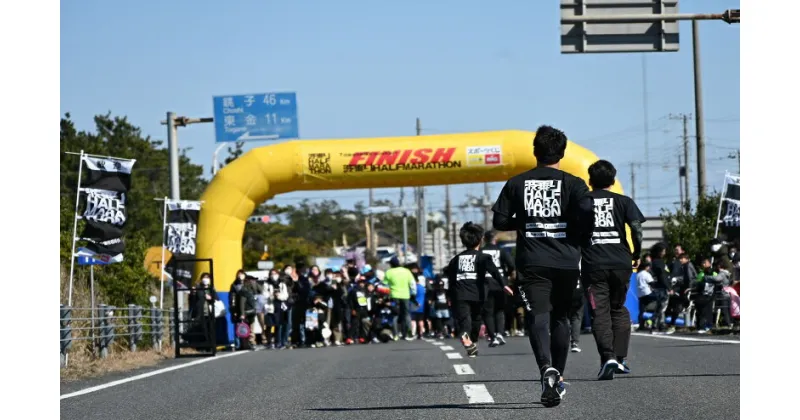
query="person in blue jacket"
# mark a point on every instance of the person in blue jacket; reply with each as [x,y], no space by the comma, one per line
[418,308]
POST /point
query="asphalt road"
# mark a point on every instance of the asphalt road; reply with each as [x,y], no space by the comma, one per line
[671,378]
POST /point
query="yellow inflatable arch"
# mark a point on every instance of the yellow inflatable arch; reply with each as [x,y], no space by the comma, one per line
[240,187]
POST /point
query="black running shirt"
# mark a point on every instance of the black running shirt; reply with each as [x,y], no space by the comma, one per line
[610,249]
[466,273]
[551,213]
[502,260]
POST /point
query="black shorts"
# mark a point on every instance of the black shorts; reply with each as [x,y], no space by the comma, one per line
[417,316]
[544,289]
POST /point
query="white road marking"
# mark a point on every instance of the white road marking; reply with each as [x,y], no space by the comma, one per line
[447,348]
[454,355]
[427,340]
[437,343]
[672,337]
[463,370]
[147,375]
[478,394]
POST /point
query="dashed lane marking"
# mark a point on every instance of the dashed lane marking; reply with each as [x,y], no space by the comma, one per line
[447,348]
[463,369]
[454,356]
[478,394]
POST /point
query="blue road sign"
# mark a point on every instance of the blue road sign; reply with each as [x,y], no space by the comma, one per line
[85,260]
[262,116]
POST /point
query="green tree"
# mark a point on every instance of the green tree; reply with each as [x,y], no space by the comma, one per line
[693,227]
[150,177]
[234,152]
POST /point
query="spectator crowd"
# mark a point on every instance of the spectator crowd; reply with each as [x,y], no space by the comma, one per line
[300,306]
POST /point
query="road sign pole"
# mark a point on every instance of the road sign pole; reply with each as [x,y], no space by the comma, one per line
[214,161]
[172,140]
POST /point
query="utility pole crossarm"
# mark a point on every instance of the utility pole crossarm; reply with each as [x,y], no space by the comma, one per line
[729,16]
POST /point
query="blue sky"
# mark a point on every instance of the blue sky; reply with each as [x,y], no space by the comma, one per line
[368,69]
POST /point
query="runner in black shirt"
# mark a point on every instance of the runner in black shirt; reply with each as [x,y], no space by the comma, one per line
[495,319]
[607,265]
[466,273]
[552,215]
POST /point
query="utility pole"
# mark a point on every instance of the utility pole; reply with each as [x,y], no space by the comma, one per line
[422,223]
[448,215]
[698,111]
[681,175]
[685,171]
[172,143]
[372,246]
[487,208]
[633,181]
[172,122]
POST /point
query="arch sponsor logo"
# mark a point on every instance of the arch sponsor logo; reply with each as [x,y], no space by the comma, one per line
[484,156]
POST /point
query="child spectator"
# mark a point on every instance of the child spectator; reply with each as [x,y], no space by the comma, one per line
[440,309]
[360,300]
[384,321]
[418,308]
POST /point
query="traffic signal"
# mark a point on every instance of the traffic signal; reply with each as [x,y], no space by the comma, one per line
[258,219]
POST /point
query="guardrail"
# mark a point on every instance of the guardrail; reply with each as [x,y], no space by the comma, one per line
[132,327]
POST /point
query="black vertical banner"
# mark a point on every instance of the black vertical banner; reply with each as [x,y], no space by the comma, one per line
[105,191]
[728,220]
[180,238]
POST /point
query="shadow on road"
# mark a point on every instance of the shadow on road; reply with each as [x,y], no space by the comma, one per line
[721,343]
[489,406]
[394,377]
[568,380]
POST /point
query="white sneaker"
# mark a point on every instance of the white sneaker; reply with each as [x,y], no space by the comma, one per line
[500,339]
[552,391]
[607,370]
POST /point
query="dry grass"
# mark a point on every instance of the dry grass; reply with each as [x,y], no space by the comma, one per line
[83,363]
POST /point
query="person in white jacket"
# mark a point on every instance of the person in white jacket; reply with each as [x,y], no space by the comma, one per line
[280,306]
[268,297]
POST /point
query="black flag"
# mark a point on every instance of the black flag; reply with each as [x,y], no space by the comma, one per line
[105,191]
[728,220]
[180,238]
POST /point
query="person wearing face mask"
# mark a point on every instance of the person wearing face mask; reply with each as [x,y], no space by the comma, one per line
[233,299]
[282,310]
[202,296]
[299,301]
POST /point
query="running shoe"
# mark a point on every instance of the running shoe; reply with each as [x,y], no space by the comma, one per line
[623,367]
[494,343]
[472,350]
[562,389]
[607,370]
[670,330]
[500,339]
[574,348]
[552,388]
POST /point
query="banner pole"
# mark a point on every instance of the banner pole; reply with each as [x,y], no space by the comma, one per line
[163,252]
[75,230]
[721,199]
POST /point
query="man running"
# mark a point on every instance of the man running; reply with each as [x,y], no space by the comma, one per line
[552,215]
[466,273]
[496,301]
[607,267]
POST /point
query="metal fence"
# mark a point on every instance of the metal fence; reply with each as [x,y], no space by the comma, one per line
[107,327]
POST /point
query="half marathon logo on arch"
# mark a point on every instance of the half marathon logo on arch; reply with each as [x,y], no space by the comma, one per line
[104,192]
[401,160]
